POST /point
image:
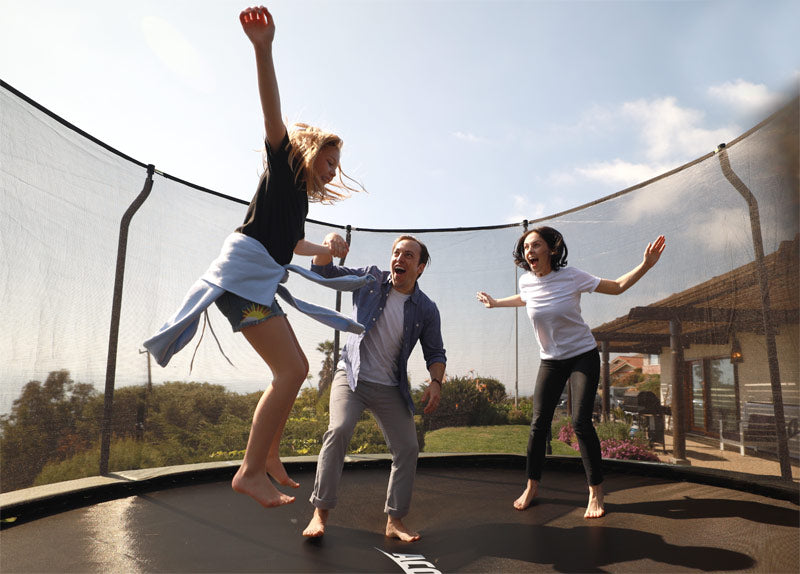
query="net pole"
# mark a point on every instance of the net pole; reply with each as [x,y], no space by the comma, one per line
[678,405]
[339,307]
[516,345]
[516,330]
[113,336]
[606,375]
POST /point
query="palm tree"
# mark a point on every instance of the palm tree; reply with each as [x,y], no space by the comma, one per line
[328,368]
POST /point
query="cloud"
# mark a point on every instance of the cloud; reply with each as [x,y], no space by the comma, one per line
[470,137]
[672,134]
[745,97]
[665,197]
[176,53]
[668,135]
[722,230]
[561,178]
[523,208]
[620,173]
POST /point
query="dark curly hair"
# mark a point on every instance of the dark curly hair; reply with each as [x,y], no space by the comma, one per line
[555,242]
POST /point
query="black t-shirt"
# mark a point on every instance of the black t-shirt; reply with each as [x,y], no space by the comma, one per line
[277,214]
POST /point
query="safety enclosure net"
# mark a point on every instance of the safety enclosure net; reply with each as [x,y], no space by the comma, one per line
[715,290]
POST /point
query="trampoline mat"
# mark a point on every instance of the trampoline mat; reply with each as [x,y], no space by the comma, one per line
[464,515]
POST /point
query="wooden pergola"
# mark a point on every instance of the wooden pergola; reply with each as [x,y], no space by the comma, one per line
[713,312]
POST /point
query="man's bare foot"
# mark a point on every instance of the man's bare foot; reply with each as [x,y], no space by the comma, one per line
[316,527]
[275,470]
[525,499]
[260,488]
[595,509]
[396,529]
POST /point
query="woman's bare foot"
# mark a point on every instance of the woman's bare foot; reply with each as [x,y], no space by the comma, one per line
[260,488]
[316,527]
[396,529]
[525,499]
[595,509]
[276,470]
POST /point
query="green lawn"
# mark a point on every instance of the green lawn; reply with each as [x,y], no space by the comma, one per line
[497,439]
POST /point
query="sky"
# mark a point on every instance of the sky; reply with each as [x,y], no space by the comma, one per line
[453,114]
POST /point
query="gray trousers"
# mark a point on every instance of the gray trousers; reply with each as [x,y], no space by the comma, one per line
[396,423]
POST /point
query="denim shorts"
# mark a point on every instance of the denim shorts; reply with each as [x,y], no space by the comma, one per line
[244,313]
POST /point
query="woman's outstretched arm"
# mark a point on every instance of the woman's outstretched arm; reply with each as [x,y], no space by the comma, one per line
[490,302]
[652,253]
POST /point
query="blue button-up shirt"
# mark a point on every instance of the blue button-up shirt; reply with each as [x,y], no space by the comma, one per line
[421,323]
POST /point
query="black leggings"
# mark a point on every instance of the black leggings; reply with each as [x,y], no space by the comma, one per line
[583,374]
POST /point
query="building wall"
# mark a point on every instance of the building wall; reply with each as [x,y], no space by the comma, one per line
[754,378]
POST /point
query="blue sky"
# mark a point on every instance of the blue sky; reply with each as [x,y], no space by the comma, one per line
[453,113]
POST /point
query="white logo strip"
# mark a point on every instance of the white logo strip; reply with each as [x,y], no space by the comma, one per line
[412,563]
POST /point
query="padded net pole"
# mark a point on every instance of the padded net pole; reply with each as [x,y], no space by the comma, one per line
[113,336]
[769,325]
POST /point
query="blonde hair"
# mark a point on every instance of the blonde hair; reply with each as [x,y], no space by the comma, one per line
[307,141]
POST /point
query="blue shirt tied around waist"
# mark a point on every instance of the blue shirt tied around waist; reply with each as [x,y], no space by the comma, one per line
[421,322]
[245,267]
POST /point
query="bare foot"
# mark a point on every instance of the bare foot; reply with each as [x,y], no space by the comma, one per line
[525,499]
[316,527]
[260,488]
[396,529]
[595,509]
[275,470]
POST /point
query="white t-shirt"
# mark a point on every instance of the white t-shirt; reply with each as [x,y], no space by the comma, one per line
[381,347]
[554,308]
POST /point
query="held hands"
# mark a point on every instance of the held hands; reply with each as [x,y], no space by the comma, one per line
[258,25]
[653,252]
[336,244]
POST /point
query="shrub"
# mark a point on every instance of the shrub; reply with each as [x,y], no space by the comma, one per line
[468,401]
[566,434]
[125,454]
[367,438]
[612,430]
[518,416]
[614,441]
[626,450]
[302,436]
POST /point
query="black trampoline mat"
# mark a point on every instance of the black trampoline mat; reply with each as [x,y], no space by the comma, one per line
[465,517]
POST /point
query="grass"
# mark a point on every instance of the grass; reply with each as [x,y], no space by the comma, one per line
[498,439]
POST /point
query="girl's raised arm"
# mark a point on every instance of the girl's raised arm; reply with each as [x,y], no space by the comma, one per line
[259,27]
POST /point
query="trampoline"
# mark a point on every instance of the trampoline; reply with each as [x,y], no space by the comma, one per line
[660,519]
[70,201]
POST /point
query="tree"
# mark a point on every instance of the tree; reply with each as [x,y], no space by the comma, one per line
[46,422]
[328,368]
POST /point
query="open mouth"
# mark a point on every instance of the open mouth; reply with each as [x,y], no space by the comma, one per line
[398,270]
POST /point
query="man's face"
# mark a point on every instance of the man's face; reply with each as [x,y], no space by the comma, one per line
[405,265]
